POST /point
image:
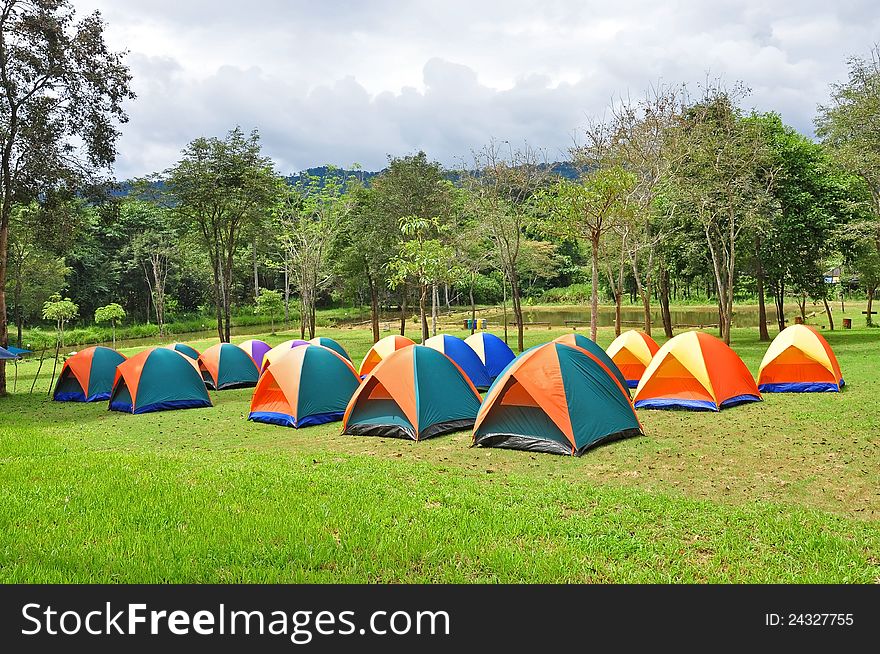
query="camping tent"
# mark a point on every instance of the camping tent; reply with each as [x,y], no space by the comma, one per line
[555,398]
[588,344]
[280,350]
[6,355]
[493,352]
[415,392]
[158,379]
[695,370]
[309,386]
[183,348]
[227,366]
[333,345]
[632,351]
[799,360]
[381,349]
[256,349]
[462,353]
[87,376]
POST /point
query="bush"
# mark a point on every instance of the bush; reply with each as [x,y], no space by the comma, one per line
[574,294]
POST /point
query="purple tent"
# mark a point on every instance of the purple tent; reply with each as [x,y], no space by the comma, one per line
[257,349]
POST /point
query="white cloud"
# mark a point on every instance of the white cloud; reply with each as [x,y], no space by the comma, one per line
[354,81]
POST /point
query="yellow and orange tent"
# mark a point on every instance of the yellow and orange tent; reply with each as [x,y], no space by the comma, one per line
[696,371]
[632,351]
[381,349]
[799,360]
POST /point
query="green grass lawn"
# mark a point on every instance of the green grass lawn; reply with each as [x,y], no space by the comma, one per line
[787,490]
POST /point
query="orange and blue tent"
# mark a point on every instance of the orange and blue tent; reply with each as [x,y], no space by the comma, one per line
[227,366]
[416,393]
[631,352]
[493,352]
[695,370]
[463,355]
[333,345]
[256,349]
[280,350]
[158,379]
[185,349]
[88,375]
[799,360]
[381,349]
[588,344]
[555,398]
[308,386]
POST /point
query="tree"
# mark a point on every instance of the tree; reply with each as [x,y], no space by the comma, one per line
[269,303]
[501,191]
[637,136]
[111,313]
[60,312]
[428,260]
[588,209]
[364,245]
[220,187]
[62,92]
[33,272]
[413,189]
[796,237]
[721,177]
[308,220]
[848,127]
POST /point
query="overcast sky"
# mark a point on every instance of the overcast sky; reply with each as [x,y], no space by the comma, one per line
[345,81]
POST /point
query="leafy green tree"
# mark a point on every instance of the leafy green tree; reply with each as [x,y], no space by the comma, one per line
[412,189]
[848,127]
[427,260]
[60,311]
[62,92]
[112,313]
[34,273]
[500,191]
[721,178]
[220,187]
[269,303]
[308,219]
[587,210]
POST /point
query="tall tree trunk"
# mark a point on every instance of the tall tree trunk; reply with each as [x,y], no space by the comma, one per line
[516,301]
[594,291]
[504,304]
[423,310]
[779,301]
[763,334]
[473,307]
[802,305]
[374,307]
[435,301]
[19,315]
[218,298]
[256,273]
[869,321]
[828,313]
[403,311]
[664,301]
[286,290]
[446,296]
[5,214]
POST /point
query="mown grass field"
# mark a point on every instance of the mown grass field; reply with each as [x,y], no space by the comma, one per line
[787,490]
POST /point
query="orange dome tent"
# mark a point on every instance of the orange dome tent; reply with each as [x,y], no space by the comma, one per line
[227,366]
[382,349]
[696,371]
[632,351]
[416,392]
[88,375]
[799,360]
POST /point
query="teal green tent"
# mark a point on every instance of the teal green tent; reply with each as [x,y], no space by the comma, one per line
[416,392]
[227,366]
[158,379]
[555,398]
